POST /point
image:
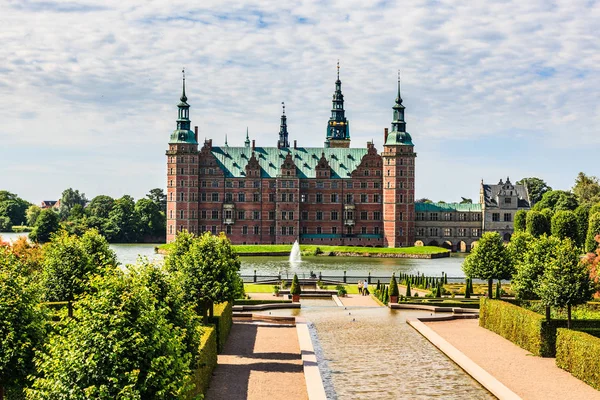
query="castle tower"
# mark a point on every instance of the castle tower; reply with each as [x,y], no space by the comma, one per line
[283,132]
[338,129]
[398,181]
[182,174]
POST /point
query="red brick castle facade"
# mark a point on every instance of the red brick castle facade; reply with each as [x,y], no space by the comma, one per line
[270,195]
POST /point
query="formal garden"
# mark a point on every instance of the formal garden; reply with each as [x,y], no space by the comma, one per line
[74,324]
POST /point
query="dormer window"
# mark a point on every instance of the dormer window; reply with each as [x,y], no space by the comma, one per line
[508,200]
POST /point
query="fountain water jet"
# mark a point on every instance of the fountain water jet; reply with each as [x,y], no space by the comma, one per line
[295,256]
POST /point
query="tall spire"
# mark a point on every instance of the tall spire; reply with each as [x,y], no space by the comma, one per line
[338,129]
[398,135]
[399,98]
[283,132]
[247,142]
[226,145]
[183,96]
[183,134]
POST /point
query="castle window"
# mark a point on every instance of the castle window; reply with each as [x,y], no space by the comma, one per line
[241,184]
[203,216]
[182,171]
[272,197]
[447,232]
[377,215]
[401,198]
[284,197]
[241,215]
[303,198]
[475,232]
[304,215]
[319,198]
[283,215]
[349,230]
[388,172]
[366,173]
[433,216]
[433,231]
[291,197]
[400,216]
[256,197]
[334,215]
[272,230]
[364,198]
[319,185]
[228,214]
[288,172]
[319,215]
[420,216]
[171,196]
[363,230]
[376,198]
[507,200]
[181,214]
[334,197]
[401,185]
[215,214]
[171,229]
[376,185]
[348,185]
[203,184]
[291,230]
[244,230]
[181,198]
[363,185]
[363,215]
[215,197]
[334,185]
[256,230]
[215,184]
[256,184]
[228,184]
[228,197]
[241,197]
[283,230]
[496,217]
[461,232]
[462,217]
[376,230]
[228,229]
[304,230]
[334,230]
[319,230]
[447,216]
[271,214]
[507,217]
[291,215]
[401,173]
[171,214]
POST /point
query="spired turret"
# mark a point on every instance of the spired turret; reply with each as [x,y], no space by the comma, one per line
[283,132]
[183,133]
[398,135]
[338,128]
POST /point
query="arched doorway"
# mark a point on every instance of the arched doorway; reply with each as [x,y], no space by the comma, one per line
[433,243]
[461,247]
[447,245]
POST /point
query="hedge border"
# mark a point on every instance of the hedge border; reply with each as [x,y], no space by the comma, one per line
[222,319]
[253,302]
[207,361]
[577,353]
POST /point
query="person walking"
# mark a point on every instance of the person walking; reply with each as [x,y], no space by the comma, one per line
[360,287]
[366,288]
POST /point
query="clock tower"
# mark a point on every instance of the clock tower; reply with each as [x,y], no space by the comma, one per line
[338,129]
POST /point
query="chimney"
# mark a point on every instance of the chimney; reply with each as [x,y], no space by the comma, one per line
[253,144]
[295,144]
[196,133]
[385,135]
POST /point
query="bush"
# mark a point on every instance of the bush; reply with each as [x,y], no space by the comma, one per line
[295,289]
[252,302]
[537,224]
[341,289]
[207,361]
[577,352]
[393,290]
[223,319]
[520,221]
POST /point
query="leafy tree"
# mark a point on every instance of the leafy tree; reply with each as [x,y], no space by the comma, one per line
[100,206]
[520,224]
[32,214]
[208,270]
[68,267]
[594,209]
[152,221]
[582,213]
[593,230]
[586,189]
[30,254]
[519,245]
[22,322]
[159,198]
[557,200]
[489,260]
[564,225]
[566,281]
[124,217]
[13,207]
[530,267]
[69,199]
[464,200]
[592,261]
[119,346]
[5,224]
[537,224]
[97,248]
[46,224]
[181,245]
[536,188]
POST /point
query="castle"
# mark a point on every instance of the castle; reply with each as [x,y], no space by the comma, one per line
[330,195]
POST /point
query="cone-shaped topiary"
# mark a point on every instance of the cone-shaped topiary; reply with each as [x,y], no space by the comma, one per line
[393,291]
[408,291]
[295,289]
[438,290]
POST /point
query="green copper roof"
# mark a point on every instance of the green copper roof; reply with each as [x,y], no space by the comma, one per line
[182,136]
[342,161]
[441,207]
[399,138]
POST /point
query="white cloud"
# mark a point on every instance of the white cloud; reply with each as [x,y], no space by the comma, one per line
[99,78]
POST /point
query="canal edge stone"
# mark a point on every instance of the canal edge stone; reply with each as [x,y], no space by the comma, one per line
[312,375]
[486,380]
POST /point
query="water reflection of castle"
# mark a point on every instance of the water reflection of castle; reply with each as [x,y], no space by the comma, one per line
[327,195]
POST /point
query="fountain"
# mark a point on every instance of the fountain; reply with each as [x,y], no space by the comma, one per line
[295,256]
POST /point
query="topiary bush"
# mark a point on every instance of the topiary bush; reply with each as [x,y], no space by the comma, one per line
[295,289]
[577,352]
[393,289]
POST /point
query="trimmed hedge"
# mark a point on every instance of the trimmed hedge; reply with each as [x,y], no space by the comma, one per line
[527,329]
[207,361]
[223,319]
[441,303]
[253,302]
[577,352]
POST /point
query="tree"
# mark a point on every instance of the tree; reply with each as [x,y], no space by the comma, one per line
[530,266]
[13,207]
[159,198]
[582,213]
[208,271]
[564,225]
[152,222]
[586,189]
[464,200]
[67,268]
[408,288]
[593,230]
[592,261]
[393,289]
[119,346]
[98,250]
[536,188]
[557,200]
[32,214]
[46,224]
[537,224]
[489,260]
[68,200]
[520,224]
[22,322]
[5,224]
[295,289]
[519,245]
[566,281]
[124,217]
[100,206]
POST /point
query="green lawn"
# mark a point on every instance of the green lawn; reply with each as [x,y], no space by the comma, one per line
[310,249]
[254,288]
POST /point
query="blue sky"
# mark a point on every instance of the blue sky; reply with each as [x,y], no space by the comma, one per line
[88,90]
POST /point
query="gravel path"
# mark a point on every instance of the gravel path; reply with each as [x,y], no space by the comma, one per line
[528,376]
[259,362]
[356,300]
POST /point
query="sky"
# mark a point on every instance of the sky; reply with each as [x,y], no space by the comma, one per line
[492,89]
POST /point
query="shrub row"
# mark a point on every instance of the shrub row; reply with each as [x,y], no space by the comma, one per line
[207,362]
[577,352]
[441,303]
[223,319]
[253,302]
[526,328]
